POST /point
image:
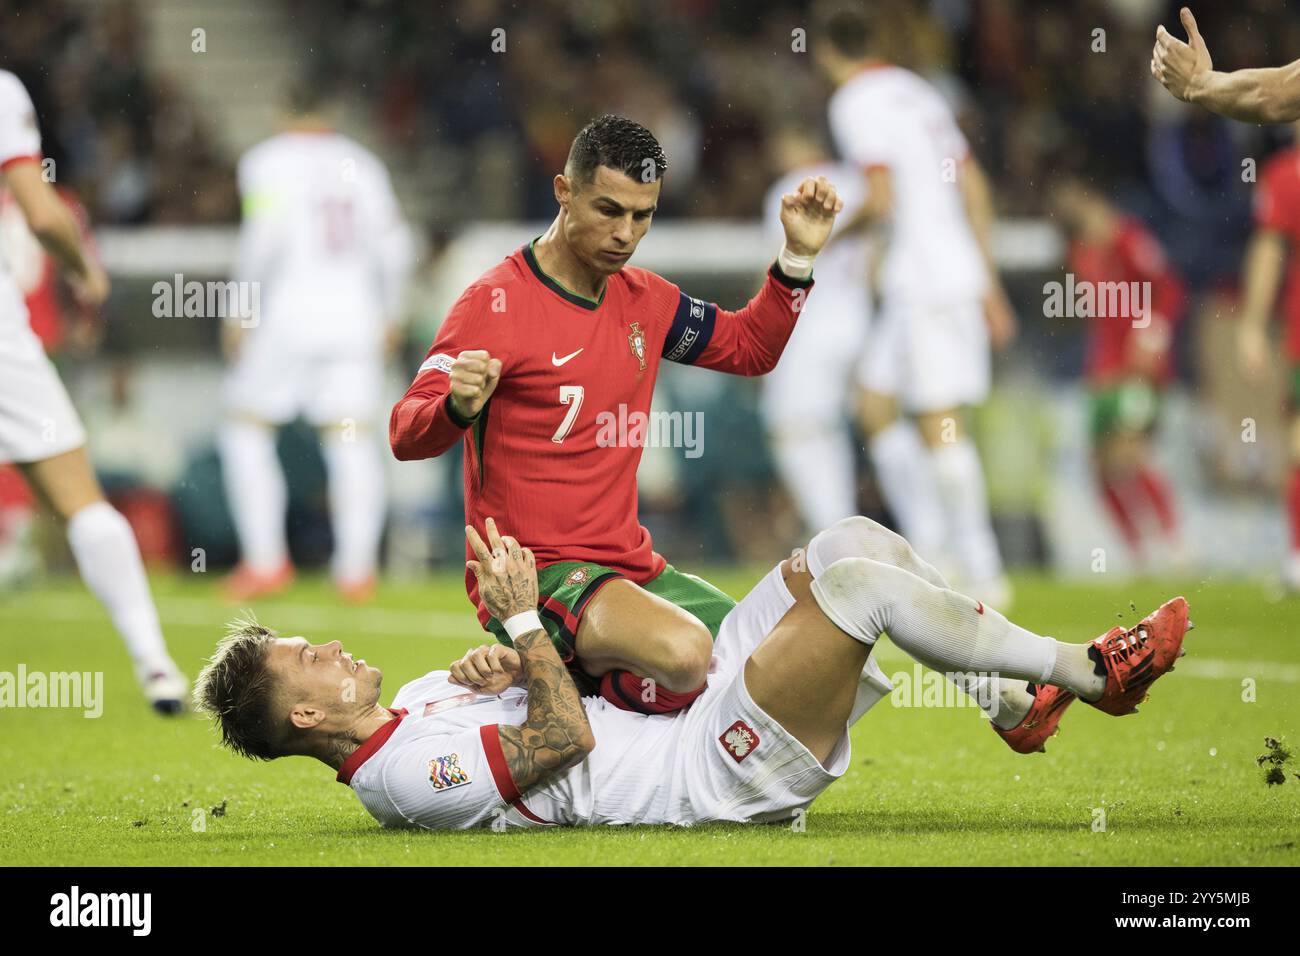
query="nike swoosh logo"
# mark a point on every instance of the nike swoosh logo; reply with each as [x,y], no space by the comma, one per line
[979,609]
[561,361]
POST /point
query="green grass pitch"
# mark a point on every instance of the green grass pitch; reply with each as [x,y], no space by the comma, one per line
[1177,784]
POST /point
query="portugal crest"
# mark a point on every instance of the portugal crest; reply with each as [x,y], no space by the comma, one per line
[636,340]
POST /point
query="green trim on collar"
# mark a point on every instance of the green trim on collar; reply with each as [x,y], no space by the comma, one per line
[558,288]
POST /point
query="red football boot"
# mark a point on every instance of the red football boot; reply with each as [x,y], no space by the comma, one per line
[1030,734]
[1135,658]
[245,584]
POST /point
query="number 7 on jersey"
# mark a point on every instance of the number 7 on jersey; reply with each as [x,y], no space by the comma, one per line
[570,395]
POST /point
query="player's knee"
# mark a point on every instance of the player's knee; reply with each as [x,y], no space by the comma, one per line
[684,664]
[859,536]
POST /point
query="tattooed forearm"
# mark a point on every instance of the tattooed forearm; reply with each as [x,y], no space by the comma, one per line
[556,734]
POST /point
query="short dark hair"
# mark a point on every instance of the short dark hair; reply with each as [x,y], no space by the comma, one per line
[237,689]
[619,143]
[850,28]
[309,93]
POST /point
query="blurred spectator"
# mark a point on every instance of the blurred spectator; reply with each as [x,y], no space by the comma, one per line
[135,149]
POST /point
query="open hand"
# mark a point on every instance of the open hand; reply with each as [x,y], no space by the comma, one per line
[506,573]
[807,215]
[1178,65]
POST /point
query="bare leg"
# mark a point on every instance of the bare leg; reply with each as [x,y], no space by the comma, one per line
[625,627]
[66,483]
[805,673]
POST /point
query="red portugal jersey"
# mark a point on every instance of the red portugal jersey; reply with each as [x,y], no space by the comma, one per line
[546,456]
[1133,256]
[1277,208]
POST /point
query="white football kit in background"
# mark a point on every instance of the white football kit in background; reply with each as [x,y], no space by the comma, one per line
[324,241]
[37,420]
[441,767]
[324,246]
[807,398]
[929,347]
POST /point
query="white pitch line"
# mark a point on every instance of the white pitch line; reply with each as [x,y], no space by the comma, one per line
[283,616]
[288,617]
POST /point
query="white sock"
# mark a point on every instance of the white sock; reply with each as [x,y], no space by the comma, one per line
[256,493]
[961,487]
[860,537]
[817,468]
[356,489]
[1004,700]
[109,561]
[945,630]
[907,482]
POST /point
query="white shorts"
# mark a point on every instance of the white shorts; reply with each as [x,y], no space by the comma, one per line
[737,762]
[931,358]
[276,387]
[37,420]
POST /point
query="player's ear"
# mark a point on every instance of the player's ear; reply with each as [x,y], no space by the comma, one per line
[305,717]
[563,189]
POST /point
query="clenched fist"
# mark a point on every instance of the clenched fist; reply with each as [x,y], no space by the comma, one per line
[474,377]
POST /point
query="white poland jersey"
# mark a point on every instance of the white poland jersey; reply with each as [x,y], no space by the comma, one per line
[441,766]
[20,141]
[323,236]
[888,116]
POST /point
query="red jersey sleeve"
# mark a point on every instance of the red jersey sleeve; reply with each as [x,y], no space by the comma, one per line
[423,424]
[1146,260]
[746,342]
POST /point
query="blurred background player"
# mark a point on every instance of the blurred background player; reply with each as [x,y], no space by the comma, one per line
[39,428]
[1129,357]
[807,398]
[1270,255]
[37,276]
[942,302]
[324,244]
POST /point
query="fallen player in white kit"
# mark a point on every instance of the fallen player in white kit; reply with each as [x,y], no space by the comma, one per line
[504,739]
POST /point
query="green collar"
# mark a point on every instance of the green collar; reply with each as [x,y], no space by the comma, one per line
[565,293]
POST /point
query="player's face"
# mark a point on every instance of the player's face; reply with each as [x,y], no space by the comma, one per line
[607,217]
[325,675]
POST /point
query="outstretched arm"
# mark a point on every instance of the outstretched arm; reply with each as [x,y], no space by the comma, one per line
[750,341]
[1270,95]
[556,735]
